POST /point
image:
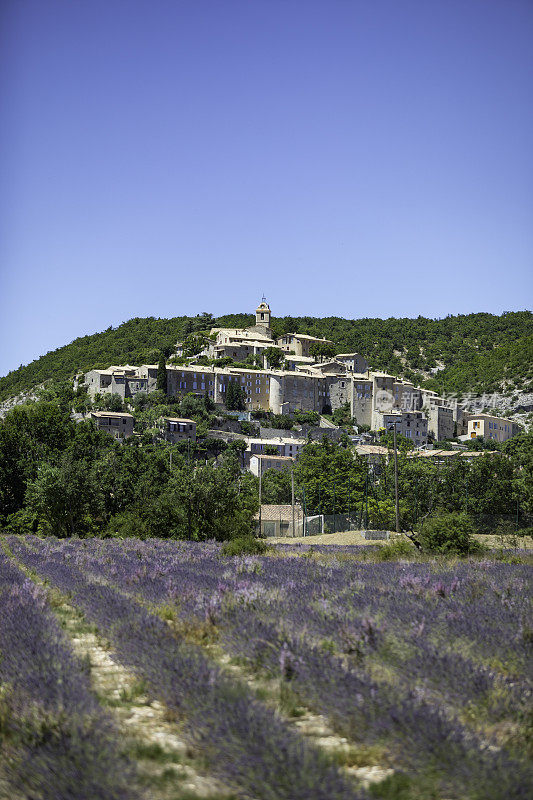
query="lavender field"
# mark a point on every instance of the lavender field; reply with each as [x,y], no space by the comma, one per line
[295,675]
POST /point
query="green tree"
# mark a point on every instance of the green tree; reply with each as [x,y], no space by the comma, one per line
[62,498]
[112,402]
[342,415]
[322,350]
[276,486]
[331,478]
[274,356]
[235,397]
[204,503]
[162,375]
[386,439]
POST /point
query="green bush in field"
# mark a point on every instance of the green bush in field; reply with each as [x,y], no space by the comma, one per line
[394,550]
[448,533]
[244,546]
[126,524]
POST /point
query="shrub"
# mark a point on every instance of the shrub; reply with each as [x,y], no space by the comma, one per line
[398,549]
[448,533]
[126,524]
[244,545]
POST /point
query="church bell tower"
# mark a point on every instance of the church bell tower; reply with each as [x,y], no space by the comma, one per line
[262,314]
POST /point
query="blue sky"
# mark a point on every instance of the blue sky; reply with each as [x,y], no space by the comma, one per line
[344,157]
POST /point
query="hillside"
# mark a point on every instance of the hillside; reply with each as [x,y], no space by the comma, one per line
[479,352]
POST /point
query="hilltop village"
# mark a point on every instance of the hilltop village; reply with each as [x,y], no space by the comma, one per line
[250,375]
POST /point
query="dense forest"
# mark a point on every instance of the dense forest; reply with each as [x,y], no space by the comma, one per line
[474,352]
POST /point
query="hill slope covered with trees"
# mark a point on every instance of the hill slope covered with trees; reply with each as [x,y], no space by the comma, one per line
[474,352]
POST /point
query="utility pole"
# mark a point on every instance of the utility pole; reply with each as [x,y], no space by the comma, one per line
[260,500]
[396,502]
[334,516]
[292,501]
[366,494]
[349,495]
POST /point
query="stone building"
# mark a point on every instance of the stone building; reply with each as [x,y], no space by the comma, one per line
[441,424]
[125,381]
[411,424]
[284,446]
[486,426]
[118,424]
[299,343]
[177,429]
[277,520]
[353,362]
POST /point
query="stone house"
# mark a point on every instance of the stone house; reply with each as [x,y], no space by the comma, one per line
[117,423]
[284,446]
[125,381]
[353,362]
[411,424]
[299,343]
[441,424]
[176,429]
[487,426]
[276,520]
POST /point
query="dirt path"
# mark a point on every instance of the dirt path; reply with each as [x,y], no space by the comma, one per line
[167,767]
[357,761]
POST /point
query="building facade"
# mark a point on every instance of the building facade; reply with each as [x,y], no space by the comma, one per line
[118,424]
[177,429]
[486,426]
[124,381]
[260,464]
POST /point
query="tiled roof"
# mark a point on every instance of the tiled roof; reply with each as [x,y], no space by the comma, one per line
[111,414]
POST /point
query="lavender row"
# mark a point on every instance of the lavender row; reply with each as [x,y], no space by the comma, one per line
[243,740]
[57,742]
